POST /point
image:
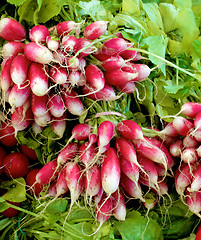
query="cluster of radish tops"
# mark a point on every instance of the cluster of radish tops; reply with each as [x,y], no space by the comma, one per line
[44,76]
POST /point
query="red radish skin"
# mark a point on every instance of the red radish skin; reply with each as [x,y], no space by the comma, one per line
[131,55]
[95,30]
[29,152]
[87,152]
[100,55]
[2,156]
[132,188]
[59,56]
[130,130]
[110,171]
[73,103]
[38,79]
[81,132]
[33,187]
[52,43]
[16,165]
[64,28]
[56,105]
[127,87]
[193,200]
[106,131]
[19,69]
[95,77]
[189,155]
[38,53]
[47,173]
[169,130]
[196,134]
[196,181]
[114,46]
[182,125]
[142,70]
[190,142]
[12,49]
[59,125]
[68,153]
[197,121]
[84,44]
[98,197]
[176,148]
[12,30]
[61,184]
[191,109]
[52,190]
[92,181]
[58,74]
[199,151]
[11,212]
[7,134]
[38,34]
[119,77]
[119,206]
[19,94]
[6,80]
[39,105]
[93,138]
[69,43]
[113,63]
[72,63]
[130,169]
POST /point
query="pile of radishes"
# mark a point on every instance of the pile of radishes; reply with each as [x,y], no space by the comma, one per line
[45,72]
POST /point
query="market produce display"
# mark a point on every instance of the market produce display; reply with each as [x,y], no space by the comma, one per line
[100,119]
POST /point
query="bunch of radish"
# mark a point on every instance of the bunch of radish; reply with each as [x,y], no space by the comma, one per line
[106,168]
[45,72]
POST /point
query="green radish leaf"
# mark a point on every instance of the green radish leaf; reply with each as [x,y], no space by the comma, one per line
[16,2]
[4,222]
[16,190]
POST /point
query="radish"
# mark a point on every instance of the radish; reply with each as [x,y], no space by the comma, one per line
[64,28]
[59,125]
[38,34]
[73,102]
[52,190]
[131,55]
[169,130]
[19,94]
[119,77]
[74,77]
[12,30]
[6,80]
[189,155]
[2,156]
[110,171]
[33,187]
[183,178]
[87,153]
[142,70]
[100,55]
[38,79]
[74,181]
[114,46]
[16,165]
[95,30]
[11,212]
[182,125]
[36,129]
[29,152]
[130,169]
[47,173]
[127,87]
[19,68]
[56,105]
[113,63]
[43,120]
[197,121]
[191,109]
[38,53]
[190,142]
[119,206]
[52,43]
[7,134]
[106,131]
[176,148]
[92,181]
[193,200]
[67,153]
[199,151]
[98,197]
[105,94]
[196,180]
[95,77]
[130,130]
[59,56]
[39,105]
[83,49]
[196,134]
[12,49]
[61,184]
[58,74]
[132,188]
[69,43]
